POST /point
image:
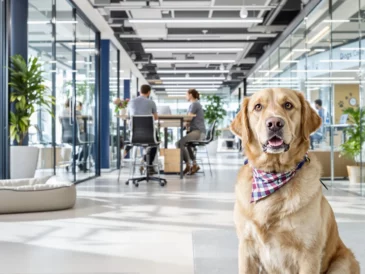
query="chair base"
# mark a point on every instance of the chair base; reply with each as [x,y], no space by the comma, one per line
[136,181]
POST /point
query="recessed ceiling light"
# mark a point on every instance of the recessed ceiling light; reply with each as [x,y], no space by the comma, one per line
[193,83]
[193,78]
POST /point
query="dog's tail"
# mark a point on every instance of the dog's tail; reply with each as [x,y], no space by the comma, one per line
[344,262]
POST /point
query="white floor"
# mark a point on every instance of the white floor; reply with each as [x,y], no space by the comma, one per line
[185,227]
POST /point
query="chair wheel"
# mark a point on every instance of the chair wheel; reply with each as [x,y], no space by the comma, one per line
[127,182]
[163,183]
[67,169]
[136,185]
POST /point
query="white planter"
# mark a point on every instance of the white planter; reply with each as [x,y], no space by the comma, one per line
[23,161]
[354,174]
[212,148]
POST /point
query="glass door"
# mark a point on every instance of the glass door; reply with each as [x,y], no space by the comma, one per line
[85,99]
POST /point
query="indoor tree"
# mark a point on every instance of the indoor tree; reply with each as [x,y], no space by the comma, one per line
[28,91]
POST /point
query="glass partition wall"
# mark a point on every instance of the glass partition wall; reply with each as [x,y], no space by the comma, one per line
[323,58]
[66,44]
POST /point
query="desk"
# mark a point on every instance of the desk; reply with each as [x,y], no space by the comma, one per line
[341,127]
[166,121]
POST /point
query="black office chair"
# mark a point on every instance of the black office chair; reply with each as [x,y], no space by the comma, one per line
[84,140]
[143,134]
[208,139]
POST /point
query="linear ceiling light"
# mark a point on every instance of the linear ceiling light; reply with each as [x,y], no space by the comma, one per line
[186,86]
[194,21]
[191,78]
[192,83]
[319,35]
[336,21]
[185,90]
[191,71]
[325,70]
[39,22]
[168,61]
[193,49]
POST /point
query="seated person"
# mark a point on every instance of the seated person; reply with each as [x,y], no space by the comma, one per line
[195,132]
[142,105]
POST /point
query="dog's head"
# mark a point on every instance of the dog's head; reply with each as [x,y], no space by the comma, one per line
[275,121]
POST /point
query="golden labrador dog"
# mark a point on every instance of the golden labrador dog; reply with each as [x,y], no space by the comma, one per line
[292,230]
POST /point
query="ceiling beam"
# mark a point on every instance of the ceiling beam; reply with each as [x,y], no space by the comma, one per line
[186,8]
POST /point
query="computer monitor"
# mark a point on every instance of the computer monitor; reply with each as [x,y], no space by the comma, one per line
[343,118]
[163,110]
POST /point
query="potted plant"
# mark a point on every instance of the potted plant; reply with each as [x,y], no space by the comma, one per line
[214,111]
[27,92]
[352,147]
[121,105]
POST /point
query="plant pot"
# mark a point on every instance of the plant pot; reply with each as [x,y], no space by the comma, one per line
[23,162]
[354,174]
[212,148]
[123,112]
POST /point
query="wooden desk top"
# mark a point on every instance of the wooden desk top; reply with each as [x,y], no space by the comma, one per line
[187,118]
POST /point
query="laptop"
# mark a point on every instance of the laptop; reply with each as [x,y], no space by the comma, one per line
[164,110]
[343,119]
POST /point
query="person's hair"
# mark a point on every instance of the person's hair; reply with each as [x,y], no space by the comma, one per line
[145,89]
[318,102]
[194,93]
[67,103]
[79,104]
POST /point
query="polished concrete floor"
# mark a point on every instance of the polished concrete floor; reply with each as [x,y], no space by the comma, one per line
[185,227]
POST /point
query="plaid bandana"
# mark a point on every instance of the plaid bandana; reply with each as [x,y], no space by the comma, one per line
[266,183]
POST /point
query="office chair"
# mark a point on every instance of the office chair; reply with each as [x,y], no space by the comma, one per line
[82,140]
[208,139]
[143,134]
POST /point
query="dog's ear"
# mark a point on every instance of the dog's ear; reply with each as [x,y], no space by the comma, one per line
[310,121]
[240,125]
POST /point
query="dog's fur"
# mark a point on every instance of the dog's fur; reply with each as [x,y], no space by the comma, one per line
[292,231]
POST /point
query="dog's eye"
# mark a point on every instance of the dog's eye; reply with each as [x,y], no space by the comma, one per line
[258,107]
[288,105]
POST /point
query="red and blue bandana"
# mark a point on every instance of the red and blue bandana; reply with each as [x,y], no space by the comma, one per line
[266,183]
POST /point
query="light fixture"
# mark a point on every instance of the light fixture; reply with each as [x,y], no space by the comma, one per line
[194,21]
[243,13]
[67,22]
[186,89]
[186,86]
[39,22]
[187,75]
[319,35]
[190,61]
[200,71]
[140,66]
[286,58]
[290,61]
[193,49]
[80,62]
[133,56]
[301,50]
[336,21]
[193,78]
[221,67]
[229,78]
[86,50]
[325,70]
[193,83]
[319,50]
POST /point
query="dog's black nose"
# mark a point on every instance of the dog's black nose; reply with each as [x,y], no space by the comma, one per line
[274,123]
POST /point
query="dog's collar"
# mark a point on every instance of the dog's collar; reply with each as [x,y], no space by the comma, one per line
[266,183]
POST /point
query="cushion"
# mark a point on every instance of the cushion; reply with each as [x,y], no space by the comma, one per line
[36,194]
